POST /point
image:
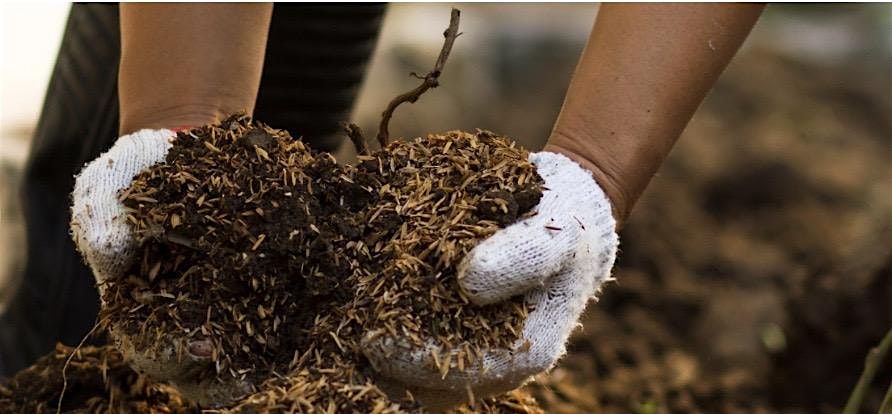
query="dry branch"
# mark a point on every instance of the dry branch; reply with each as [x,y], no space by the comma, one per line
[872,363]
[431,80]
[357,138]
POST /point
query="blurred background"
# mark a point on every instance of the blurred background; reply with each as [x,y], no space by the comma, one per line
[756,271]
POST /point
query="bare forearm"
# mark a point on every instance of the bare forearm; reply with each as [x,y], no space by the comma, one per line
[189,64]
[644,72]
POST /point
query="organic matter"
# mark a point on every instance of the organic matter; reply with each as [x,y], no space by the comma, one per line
[282,260]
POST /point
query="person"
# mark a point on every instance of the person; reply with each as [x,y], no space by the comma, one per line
[56,300]
[641,76]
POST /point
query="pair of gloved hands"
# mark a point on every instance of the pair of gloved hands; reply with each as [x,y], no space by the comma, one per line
[557,259]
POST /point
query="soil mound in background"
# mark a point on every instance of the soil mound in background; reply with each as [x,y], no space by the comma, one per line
[756,270]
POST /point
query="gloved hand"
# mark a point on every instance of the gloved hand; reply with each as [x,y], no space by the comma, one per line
[98,220]
[103,236]
[558,259]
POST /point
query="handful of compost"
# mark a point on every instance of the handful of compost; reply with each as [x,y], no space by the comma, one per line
[253,272]
[232,258]
[244,249]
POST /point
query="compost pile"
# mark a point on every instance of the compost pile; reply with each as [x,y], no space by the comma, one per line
[282,259]
[97,380]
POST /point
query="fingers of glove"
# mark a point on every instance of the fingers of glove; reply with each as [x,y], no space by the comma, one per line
[520,256]
[525,254]
[98,220]
[407,363]
[496,371]
[556,308]
[439,394]
[184,363]
[398,359]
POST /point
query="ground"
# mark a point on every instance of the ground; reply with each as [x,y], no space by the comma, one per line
[756,271]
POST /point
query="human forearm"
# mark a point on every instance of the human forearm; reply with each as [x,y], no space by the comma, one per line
[645,70]
[189,64]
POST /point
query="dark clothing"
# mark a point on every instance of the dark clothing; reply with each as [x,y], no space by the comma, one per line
[315,61]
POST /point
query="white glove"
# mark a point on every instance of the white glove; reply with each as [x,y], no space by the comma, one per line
[103,236]
[98,221]
[558,259]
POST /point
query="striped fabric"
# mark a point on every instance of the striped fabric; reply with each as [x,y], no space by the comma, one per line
[315,62]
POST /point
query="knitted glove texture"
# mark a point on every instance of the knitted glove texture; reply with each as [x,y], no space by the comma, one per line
[558,259]
[98,220]
[101,233]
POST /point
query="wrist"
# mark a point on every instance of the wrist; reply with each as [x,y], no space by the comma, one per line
[173,117]
[607,179]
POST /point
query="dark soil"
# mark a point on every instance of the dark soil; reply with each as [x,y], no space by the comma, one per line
[756,271]
[98,381]
[247,250]
[284,260]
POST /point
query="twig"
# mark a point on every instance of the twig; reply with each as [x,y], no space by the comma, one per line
[431,80]
[358,139]
[886,406]
[871,364]
[68,361]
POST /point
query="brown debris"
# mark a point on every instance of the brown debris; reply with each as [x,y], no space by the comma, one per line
[430,80]
[283,259]
[98,382]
